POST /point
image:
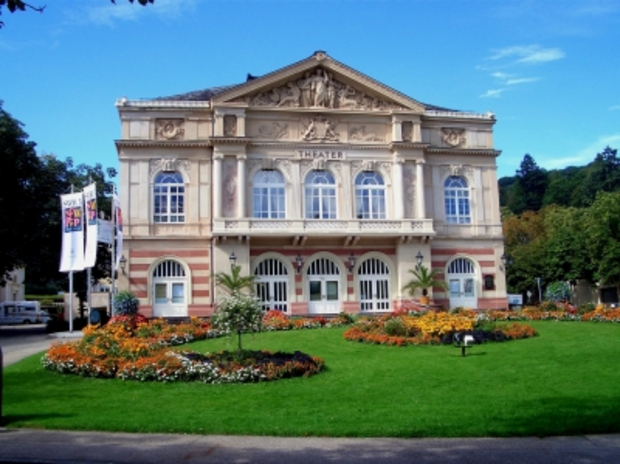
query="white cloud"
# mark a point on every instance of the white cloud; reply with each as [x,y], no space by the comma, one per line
[529,54]
[494,93]
[125,11]
[522,80]
[585,155]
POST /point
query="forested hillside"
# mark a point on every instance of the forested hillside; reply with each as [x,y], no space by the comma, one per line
[562,225]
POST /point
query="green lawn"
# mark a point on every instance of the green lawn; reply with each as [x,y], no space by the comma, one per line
[566,381]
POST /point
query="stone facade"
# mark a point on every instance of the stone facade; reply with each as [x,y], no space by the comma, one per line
[323,182]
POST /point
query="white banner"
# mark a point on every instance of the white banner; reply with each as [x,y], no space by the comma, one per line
[90,205]
[105,231]
[72,255]
[118,221]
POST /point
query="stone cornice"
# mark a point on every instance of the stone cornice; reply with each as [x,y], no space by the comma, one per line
[463,151]
[419,145]
[165,104]
[162,143]
[230,140]
[320,146]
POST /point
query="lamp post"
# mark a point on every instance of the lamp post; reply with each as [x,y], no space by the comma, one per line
[352,260]
[123,263]
[233,260]
[418,259]
[299,262]
[539,290]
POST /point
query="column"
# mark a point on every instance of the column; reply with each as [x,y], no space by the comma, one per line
[241,185]
[417,132]
[397,129]
[217,185]
[419,190]
[397,185]
[241,125]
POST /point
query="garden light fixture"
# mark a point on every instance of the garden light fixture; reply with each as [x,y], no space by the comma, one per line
[419,258]
[299,262]
[123,263]
[233,260]
[352,260]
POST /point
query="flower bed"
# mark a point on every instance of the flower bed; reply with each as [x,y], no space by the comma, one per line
[132,350]
[432,328]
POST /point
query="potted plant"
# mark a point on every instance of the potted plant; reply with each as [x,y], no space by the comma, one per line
[423,279]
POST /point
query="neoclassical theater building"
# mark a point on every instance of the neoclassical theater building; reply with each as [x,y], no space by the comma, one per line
[325,184]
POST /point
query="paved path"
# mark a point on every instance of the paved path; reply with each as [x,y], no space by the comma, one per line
[36,446]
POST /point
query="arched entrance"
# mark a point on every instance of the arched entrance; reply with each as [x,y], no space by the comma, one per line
[272,284]
[323,287]
[462,284]
[169,290]
[374,285]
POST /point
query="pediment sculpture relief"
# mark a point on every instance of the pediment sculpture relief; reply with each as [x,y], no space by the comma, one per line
[170,129]
[453,137]
[272,130]
[318,89]
[359,134]
[319,129]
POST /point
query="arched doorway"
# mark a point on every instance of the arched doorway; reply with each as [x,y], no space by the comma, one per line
[272,284]
[323,287]
[169,290]
[374,285]
[462,284]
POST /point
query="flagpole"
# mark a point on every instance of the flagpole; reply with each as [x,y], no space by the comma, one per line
[89,276]
[71,294]
[113,259]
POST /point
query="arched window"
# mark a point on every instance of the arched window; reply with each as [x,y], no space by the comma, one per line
[272,284]
[320,195]
[169,289]
[457,200]
[169,198]
[369,196]
[269,198]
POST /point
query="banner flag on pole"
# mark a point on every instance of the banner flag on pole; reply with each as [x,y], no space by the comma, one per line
[118,220]
[90,205]
[72,255]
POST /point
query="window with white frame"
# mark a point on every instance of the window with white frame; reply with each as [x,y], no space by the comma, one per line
[168,198]
[369,196]
[320,195]
[456,194]
[268,194]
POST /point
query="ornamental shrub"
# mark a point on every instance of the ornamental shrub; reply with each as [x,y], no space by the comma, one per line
[238,313]
[125,303]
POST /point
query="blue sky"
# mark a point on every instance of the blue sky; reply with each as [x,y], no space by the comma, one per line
[548,69]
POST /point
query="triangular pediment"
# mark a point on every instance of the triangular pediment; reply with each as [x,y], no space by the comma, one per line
[319,82]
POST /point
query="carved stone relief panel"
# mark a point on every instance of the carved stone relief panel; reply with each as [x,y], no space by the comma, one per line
[270,130]
[169,165]
[407,131]
[318,89]
[230,125]
[229,185]
[362,134]
[453,137]
[169,129]
[319,129]
[409,183]
[461,170]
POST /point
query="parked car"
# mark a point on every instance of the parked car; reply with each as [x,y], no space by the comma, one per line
[22,312]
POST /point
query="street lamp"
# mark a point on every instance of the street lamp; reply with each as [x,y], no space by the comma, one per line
[419,258]
[233,260]
[352,260]
[299,262]
[123,263]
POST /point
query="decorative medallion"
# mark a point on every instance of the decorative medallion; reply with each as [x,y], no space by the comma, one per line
[453,137]
[319,129]
[170,129]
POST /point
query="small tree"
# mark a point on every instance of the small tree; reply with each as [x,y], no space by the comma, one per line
[125,304]
[238,313]
[234,282]
[423,279]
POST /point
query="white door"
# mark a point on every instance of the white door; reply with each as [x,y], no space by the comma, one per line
[374,285]
[271,285]
[462,284]
[169,290]
[323,287]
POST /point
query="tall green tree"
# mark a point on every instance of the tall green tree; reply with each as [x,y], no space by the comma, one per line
[603,174]
[602,227]
[18,194]
[529,187]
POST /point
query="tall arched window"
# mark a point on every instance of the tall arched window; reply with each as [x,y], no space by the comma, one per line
[369,196]
[457,200]
[269,198]
[169,197]
[320,195]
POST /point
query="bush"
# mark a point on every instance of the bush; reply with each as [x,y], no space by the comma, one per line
[557,291]
[125,304]
[238,313]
